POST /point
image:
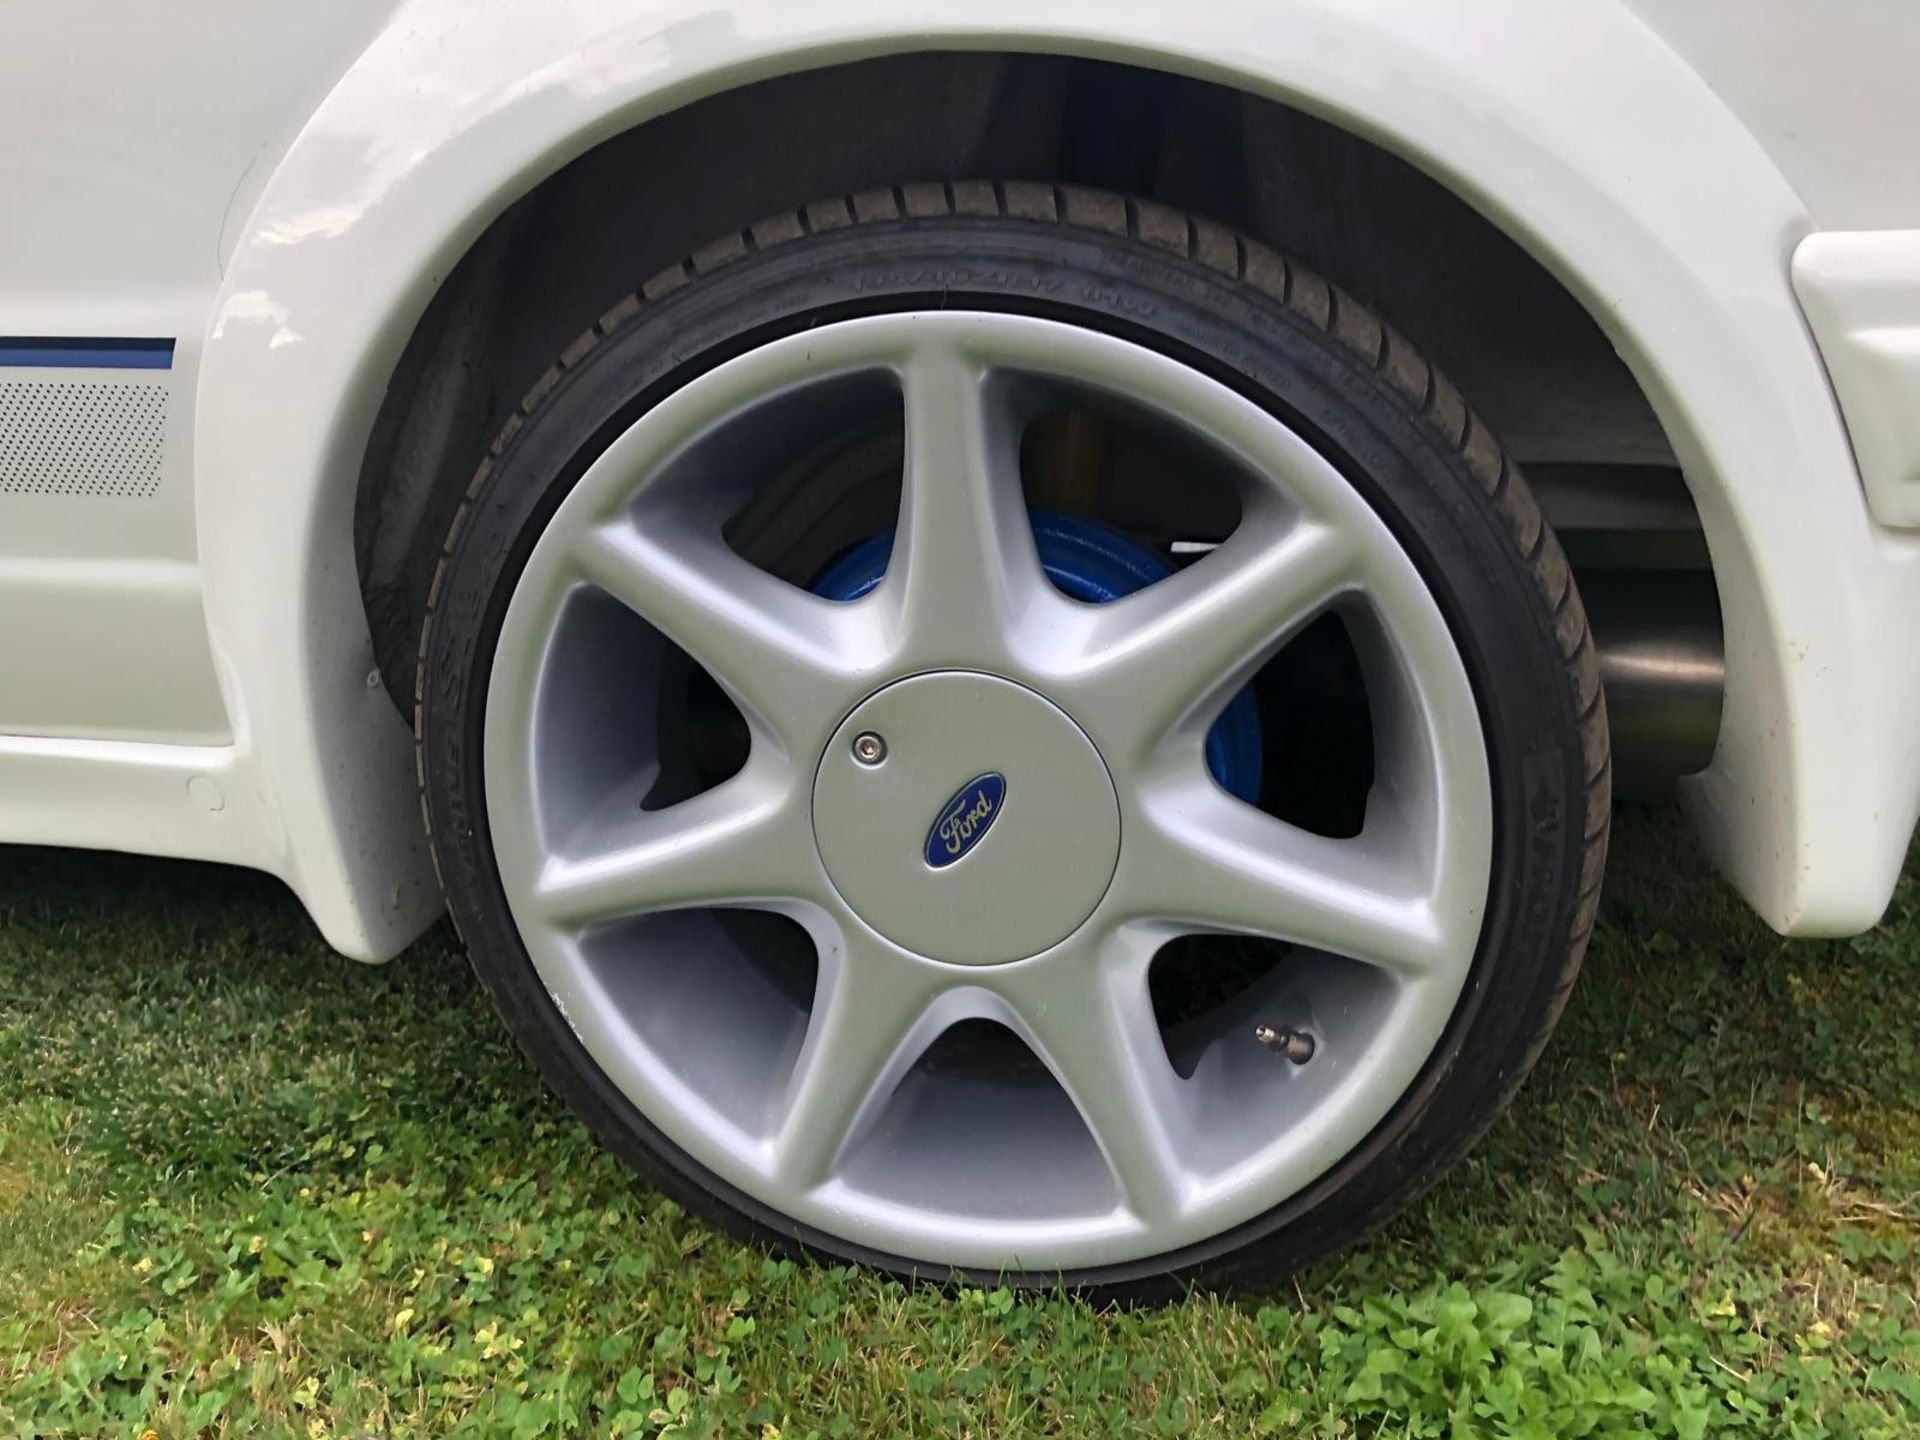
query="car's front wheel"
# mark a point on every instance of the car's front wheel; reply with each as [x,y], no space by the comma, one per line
[998,729]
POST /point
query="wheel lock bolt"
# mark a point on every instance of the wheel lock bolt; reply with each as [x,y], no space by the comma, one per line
[1296,1045]
[869,748]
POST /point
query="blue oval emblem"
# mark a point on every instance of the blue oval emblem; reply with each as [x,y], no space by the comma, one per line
[965,819]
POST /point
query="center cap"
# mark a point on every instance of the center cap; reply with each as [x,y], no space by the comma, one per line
[985,831]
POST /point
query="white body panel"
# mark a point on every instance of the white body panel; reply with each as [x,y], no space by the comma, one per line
[297,239]
[1826,89]
[1861,290]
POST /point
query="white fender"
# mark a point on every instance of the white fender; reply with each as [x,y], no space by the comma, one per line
[1579,133]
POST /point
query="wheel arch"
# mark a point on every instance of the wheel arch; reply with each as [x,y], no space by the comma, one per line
[1677,253]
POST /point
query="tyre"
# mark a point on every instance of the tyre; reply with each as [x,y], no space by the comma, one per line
[996,730]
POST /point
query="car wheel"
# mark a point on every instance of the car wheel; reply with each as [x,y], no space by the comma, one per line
[1001,730]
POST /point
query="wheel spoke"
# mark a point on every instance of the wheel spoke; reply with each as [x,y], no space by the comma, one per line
[786,657]
[744,842]
[1205,861]
[1174,654]
[1093,1025]
[964,569]
[872,1017]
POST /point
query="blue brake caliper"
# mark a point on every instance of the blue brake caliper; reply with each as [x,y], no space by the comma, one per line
[1096,565]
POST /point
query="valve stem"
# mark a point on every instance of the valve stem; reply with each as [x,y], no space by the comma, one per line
[1296,1045]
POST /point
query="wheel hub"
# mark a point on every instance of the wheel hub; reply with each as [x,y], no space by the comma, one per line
[987,832]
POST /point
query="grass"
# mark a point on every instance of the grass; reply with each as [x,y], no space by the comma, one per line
[248,1188]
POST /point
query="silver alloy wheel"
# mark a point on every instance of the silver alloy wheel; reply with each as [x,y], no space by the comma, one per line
[1114,837]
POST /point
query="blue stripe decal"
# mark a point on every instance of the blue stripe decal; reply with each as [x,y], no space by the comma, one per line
[65,353]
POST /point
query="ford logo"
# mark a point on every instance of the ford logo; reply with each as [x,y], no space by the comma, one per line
[965,819]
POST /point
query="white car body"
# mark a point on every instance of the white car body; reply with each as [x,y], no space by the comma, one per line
[1730,188]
